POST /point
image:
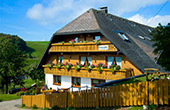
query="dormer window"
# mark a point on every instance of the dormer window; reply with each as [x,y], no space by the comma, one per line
[123,36]
[97,37]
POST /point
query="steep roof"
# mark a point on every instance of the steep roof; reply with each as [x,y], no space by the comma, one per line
[138,48]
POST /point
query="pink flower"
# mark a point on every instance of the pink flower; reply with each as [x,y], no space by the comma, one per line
[64,64]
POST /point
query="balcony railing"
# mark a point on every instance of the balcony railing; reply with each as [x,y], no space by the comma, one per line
[104,46]
[104,74]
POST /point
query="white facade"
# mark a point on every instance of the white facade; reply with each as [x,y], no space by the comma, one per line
[66,82]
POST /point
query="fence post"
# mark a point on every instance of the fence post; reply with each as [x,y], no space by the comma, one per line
[66,104]
[97,98]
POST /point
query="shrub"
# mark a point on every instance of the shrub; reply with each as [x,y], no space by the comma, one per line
[34,107]
[23,105]
[55,108]
[21,93]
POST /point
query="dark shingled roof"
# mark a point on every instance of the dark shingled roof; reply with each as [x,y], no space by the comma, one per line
[138,48]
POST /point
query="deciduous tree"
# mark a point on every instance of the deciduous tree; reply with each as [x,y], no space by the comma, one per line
[161,39]
[12,62]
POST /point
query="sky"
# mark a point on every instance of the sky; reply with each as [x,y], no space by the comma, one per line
[37,20]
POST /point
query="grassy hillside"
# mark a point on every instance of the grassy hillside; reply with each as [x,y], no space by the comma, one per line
[35,50]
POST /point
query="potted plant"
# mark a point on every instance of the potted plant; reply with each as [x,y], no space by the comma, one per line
[89,67]
[67,65]
[114,67]
[59,65]
[62,42]
[72,42]
[99,67]
[97,42]
[85,41]
[50,64]
[78,66]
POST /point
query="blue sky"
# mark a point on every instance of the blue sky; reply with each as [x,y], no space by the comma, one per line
[37,20]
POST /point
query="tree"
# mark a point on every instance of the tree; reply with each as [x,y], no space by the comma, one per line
[161,39]
[35,74]
[12,63]
[20,44]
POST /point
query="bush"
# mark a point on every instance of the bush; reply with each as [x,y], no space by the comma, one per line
[70,108]
[55,108]
[23,105]
[21,93]
[34,107]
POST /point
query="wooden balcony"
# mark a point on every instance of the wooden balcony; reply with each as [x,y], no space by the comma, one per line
[83,47]
[105,74]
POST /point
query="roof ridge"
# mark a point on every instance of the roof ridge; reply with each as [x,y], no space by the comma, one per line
[121,18]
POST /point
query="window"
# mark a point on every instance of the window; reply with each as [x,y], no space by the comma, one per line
[60,59]
[86,60]
[76,82]
[56,80]
[97,37]
[76,39]
[114,60]
[97,81]
[123,36]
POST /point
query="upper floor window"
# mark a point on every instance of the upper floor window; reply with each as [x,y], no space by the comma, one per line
[56,80]
[86,60]
[76,39]
[97,37]
[76,82]
[60,59]
[114,60]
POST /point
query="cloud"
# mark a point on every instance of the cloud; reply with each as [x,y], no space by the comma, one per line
[153,21]
[61,11]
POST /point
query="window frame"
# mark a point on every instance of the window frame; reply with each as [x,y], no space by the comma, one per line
[76,82]
[54,83]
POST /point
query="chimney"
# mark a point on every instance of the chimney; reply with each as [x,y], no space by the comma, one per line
[103,9]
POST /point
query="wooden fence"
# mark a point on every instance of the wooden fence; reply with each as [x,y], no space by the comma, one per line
[142,93]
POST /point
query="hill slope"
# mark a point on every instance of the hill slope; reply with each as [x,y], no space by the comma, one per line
[35,50]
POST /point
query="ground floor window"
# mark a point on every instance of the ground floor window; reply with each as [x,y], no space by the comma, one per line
[56,80]
[97,81]
[76,82]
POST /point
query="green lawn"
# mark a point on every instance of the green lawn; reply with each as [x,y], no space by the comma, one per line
[5,97]
[35,50]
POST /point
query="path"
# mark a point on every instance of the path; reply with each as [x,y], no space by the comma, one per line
[11,105]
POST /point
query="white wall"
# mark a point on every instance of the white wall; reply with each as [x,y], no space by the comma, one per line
[66,82]
[85,82]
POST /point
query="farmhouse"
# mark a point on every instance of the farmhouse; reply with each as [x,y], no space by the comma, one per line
[98,41]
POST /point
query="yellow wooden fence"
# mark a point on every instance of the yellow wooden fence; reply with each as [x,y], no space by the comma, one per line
[142,93]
